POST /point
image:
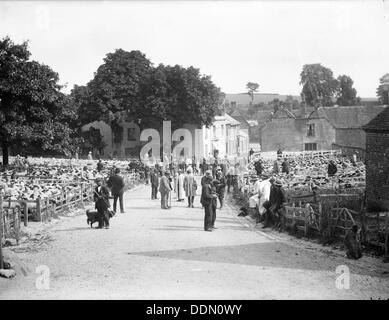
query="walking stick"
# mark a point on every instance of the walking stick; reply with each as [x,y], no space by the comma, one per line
[170,199]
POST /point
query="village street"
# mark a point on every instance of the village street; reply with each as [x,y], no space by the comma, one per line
[149,253]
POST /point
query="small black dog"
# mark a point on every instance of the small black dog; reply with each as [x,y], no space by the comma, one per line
[92,216]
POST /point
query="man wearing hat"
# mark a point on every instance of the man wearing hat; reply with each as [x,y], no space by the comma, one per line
[117,189]
[101,199]
[207,199]
[208,174]
[165,189]
[276,200]
[220,185]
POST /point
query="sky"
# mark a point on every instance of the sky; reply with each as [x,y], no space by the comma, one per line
[234,42]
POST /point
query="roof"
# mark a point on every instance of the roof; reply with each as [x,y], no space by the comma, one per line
[229,119]
[380,122]
[349,117]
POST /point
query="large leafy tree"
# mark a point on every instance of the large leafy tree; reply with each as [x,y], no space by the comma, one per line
[383,89]
[319,85]
[128,87]
[346,95]
[34,114]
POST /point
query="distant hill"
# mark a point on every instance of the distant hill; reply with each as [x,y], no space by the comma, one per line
[242,100]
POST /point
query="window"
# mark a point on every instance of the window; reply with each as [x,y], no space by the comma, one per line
[131,134]
[310,146]
[214,131]
[311,130]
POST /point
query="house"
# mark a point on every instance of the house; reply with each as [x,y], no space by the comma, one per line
[326,128]
[224,138]
[290,131]
[348,123]
[377,162]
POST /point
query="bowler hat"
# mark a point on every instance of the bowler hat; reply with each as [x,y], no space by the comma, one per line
[278,183]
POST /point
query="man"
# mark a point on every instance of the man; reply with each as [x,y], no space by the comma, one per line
[117,189]
[154,179]
[208,175]
[332,169]
[179,186]
[165,189]
[285,166]
[353,243]
[220,186]
[276,200]
[258,167]
[100,166]
[207,200]
[101,199]
[190,187]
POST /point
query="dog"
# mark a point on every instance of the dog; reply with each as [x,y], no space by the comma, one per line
[92,217]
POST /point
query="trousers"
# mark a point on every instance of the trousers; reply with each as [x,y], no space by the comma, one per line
[208,215]
[165,200]
[154,192]
[117,196]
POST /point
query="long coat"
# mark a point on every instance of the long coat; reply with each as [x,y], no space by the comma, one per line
[180,186]
[101,199]
[190,185]
[164,185]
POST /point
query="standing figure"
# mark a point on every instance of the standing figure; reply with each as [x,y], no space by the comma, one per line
[101,199]
[100,166]
[179,183]
[332,169]
[207,199]
[221,185]
[165,189]
[285,166]
[258,167]
[117,189]
[154,178]
[275,167]
[190,186]
[353,243]
[90,155]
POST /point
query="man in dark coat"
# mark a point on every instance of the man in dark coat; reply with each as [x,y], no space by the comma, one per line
[208,175]
[207,201]
[101,199]
[258,167]
[276,200]
[117,189]
[353,243]
[332,169]
[220,186]
[154,178]
[100,166]
[285,166]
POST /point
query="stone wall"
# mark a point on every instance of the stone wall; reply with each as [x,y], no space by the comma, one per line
[291,134]
[377,170]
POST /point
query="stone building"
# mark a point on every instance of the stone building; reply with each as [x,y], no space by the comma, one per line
[322,129]
[377,162]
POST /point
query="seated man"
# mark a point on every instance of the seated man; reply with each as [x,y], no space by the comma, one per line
[276,200]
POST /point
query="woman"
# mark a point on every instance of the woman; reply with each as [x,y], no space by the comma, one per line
[190,186]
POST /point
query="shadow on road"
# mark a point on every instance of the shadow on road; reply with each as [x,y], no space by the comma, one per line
[266,254]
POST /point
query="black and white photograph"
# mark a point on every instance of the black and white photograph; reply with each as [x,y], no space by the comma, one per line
[194,150]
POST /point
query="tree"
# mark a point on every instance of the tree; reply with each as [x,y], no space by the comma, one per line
[319,85]
[346,95]
[252,87]
[128,87]
[383,89]
[34,114]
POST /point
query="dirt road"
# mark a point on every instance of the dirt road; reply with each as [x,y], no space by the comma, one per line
[149,253]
